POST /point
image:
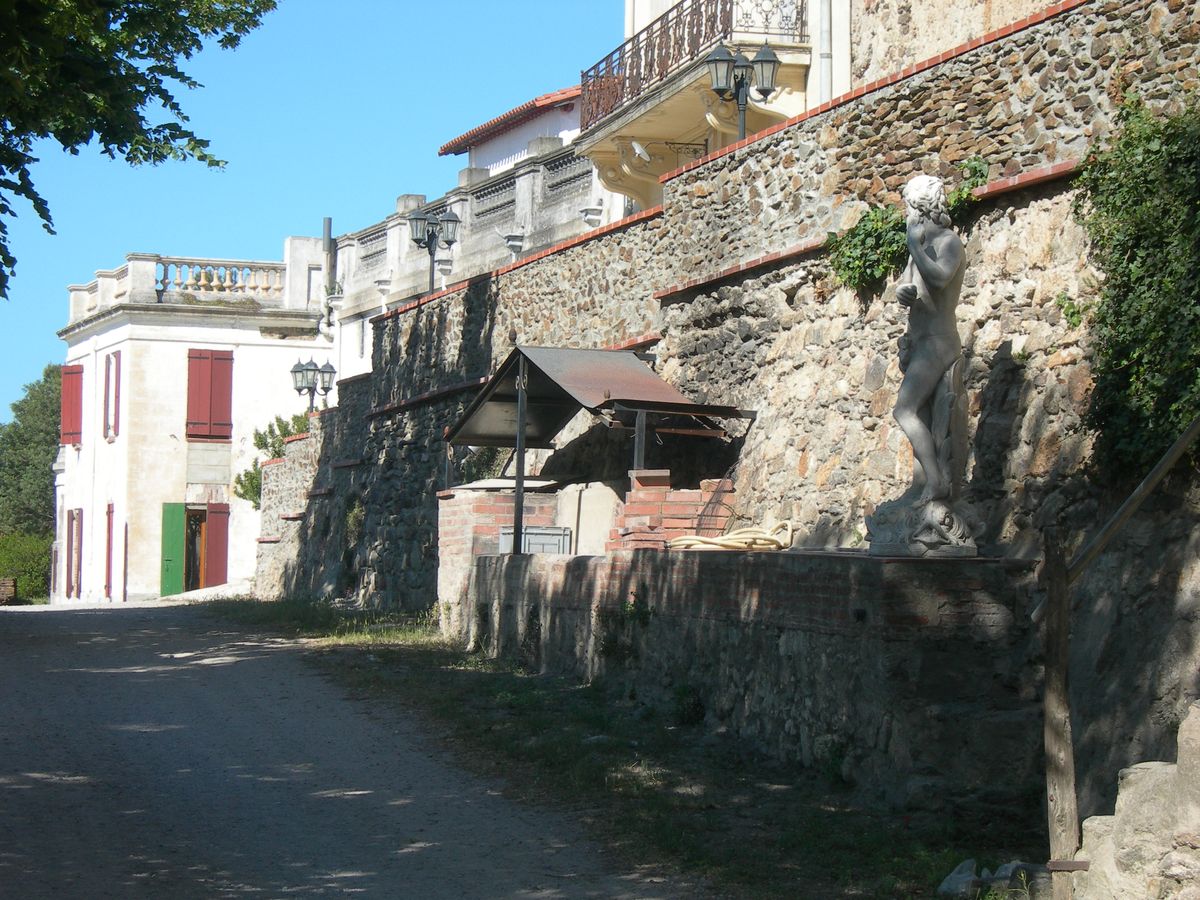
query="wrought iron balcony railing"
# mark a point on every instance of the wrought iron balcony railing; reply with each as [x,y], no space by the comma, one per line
[678,37]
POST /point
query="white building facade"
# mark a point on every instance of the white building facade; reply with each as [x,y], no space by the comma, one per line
[171,365]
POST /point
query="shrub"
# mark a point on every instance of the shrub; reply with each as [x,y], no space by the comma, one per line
[27,558]
[1139,199]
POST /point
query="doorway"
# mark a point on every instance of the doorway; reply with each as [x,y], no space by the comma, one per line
[195,546]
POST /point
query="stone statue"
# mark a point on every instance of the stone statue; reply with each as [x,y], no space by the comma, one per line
[928,519]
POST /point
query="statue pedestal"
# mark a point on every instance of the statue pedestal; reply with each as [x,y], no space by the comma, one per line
[911,527]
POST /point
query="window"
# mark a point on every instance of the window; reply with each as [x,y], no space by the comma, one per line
[71,410]
[210,394]
[112,395]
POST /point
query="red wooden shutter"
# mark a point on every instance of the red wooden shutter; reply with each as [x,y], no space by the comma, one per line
[116,412]
[71,410]
[108,555]
[69,567]
[216,550]
[199,388]
[107,388]
[221,411]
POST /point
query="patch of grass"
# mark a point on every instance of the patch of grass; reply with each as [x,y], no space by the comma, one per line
[656,789]
[327,623]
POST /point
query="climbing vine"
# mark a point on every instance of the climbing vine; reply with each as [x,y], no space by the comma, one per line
[863,256]
[1139,200]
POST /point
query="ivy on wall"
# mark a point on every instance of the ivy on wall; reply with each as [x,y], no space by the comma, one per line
[1139,200]
[865,255]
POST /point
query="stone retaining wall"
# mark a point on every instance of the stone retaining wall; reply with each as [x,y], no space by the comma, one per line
[819,364]
[910,676]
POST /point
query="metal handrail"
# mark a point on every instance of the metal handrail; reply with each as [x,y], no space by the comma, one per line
[674,38]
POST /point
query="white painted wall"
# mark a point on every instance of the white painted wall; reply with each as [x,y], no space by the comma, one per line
[146,465]
[640,13]
[510,147]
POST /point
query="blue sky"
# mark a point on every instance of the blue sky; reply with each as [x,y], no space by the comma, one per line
[328,109]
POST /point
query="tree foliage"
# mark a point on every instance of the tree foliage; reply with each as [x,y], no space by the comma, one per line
[1139,199]
[26,557]
[103,72]
[28,445]
[270,440]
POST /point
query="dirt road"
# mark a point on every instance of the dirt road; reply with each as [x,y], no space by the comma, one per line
[155,752]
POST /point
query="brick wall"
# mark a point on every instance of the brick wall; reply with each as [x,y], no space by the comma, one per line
[654,514]
[469,524]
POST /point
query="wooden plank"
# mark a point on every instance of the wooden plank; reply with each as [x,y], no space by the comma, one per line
[8,591]
[1062,808]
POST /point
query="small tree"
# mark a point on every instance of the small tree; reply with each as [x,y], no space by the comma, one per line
[95,73]
[28,445]
[270,440]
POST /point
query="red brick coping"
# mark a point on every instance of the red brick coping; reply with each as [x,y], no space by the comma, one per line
[296,437]
[880,83]
[592,235]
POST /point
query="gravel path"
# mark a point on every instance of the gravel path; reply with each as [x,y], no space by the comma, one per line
[149,751]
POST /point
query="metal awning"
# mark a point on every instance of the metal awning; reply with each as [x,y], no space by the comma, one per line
[560,382]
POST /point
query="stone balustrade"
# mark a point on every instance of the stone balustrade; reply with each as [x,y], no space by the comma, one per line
[540,201]
[262,280]
[294,283]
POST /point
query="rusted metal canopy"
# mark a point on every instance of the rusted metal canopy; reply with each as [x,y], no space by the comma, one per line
[561,382]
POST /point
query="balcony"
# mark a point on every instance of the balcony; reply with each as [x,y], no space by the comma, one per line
[647,108]
[681,36]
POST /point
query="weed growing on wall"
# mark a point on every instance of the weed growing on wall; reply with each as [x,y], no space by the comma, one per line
[270,440]
[1139,199]
[863,256]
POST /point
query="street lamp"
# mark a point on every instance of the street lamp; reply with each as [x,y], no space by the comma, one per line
[428,230]
[309,378]
[731,77]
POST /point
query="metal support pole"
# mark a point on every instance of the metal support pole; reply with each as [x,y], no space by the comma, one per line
[639,440]
[519,492]
[743,97]
[433,242]
[330,256]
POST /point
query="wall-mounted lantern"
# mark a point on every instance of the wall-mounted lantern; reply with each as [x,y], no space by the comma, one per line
[428,231]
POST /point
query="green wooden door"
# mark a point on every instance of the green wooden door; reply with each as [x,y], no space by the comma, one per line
[173,515]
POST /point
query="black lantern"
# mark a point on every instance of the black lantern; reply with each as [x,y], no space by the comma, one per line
[766,69]
[448,227]
[418,227]
[327,373]
[720,71]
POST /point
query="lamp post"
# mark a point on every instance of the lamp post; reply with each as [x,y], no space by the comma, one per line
[428,230]
[309,378]
[731,77]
